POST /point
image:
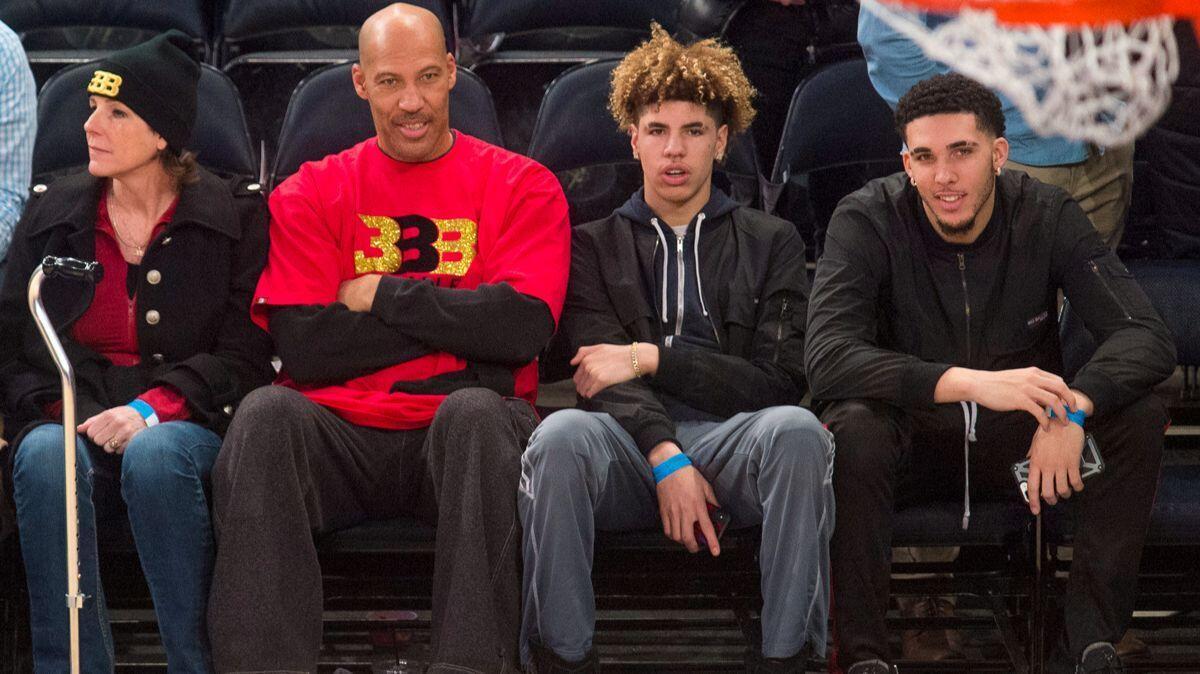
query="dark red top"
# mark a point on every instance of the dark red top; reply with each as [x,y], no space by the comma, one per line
[109,326]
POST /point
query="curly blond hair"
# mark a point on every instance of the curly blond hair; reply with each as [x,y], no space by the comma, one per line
[661,69]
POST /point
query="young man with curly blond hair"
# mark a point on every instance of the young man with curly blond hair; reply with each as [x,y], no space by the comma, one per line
[685,312]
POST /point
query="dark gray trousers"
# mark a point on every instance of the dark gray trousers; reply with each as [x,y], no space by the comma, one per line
[290,469]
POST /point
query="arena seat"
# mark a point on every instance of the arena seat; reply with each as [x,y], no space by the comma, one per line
[220,138]
[576,138]
[838,136]
[519,46]
[325,116]
[61,32]
[530,26]
[301,31]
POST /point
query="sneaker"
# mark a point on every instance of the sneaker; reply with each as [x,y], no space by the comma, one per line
[872,667]
[930,645]
[757,664]
[546,661]
[1130,646]
[1100,658]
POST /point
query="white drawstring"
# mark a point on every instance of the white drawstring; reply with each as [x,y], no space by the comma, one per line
[663,239]
[970,416]
[696,253]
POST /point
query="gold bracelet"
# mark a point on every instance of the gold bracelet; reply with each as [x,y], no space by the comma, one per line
[637,370]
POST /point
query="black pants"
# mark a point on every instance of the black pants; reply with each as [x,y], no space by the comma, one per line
[889,457]
[290,468]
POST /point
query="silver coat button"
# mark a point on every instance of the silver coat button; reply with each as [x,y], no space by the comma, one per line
[166,240]
[152,317]
[158,358]
[228,410]
[153,277]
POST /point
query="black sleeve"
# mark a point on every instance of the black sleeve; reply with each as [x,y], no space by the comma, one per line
[774,375]
[589,318]
[1135,350]
[241,357]
[329,344]
[842,354]
[490,323]
[28,377]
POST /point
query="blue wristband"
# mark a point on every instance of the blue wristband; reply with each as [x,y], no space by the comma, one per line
[145,410]
[663,470]
[1077,417]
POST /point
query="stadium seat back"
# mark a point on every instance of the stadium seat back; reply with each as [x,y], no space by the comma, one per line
[325,116]
[277,25]
[487,17]
[58,33]
[29,16]
[838,136]
[219,139]
[577,139]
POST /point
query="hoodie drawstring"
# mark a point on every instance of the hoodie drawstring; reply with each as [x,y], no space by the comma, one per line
[696,254]
[970,416]
[662,237]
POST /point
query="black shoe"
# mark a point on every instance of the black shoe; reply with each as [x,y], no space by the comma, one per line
[757,664]
[872,667]
[545,661]
[1100,658]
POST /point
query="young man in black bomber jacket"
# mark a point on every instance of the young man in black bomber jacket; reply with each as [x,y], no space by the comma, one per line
[933,333]
[685,313]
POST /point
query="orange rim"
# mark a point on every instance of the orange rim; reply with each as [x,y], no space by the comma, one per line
[1071,12]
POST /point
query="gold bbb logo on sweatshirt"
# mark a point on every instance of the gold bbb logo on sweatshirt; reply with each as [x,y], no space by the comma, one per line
[105,84]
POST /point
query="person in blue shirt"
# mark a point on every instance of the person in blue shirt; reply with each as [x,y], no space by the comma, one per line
[18,126]
[1100,179]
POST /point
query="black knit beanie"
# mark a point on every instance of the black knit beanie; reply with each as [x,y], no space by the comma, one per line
[157,80]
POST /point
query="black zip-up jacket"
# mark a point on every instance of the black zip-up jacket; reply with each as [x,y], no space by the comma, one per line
[208,260]
[754,287]
[881,326]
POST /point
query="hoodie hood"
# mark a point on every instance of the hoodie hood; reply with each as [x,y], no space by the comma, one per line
[639,211]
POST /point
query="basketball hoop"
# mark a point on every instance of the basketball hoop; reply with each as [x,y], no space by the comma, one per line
[1092,70]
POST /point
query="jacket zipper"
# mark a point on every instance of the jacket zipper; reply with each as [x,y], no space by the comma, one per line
[1108,289]
[779,330]
[962,273]
[680,278]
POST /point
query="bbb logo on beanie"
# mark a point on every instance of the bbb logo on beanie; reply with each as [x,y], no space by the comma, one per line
[105,83]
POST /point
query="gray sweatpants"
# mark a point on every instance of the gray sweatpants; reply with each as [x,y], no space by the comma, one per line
[583,472]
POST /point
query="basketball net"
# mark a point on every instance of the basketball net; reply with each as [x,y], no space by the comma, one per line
[1104,82]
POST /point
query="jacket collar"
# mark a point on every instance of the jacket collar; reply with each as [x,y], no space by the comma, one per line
[71,202]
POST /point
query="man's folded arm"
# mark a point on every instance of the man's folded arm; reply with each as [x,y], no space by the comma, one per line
[492,323]
[325,344]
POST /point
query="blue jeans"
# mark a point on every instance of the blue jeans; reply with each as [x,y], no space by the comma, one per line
[161,478]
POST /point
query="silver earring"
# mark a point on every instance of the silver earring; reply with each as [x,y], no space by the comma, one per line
[912,180]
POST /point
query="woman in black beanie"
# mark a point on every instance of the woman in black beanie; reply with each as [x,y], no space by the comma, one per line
[163,349]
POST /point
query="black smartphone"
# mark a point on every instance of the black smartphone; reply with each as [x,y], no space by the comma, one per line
[1090,463]
[720,519]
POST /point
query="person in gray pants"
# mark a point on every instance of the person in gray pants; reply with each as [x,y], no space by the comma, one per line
[685,314]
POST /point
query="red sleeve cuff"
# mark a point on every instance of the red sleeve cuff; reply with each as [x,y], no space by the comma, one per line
[168,404]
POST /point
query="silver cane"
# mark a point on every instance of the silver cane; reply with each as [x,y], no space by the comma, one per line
[89,272]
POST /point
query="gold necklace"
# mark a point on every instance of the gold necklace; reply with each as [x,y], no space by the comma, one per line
[138,251]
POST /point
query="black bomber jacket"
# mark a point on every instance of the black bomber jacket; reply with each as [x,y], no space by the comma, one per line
[754,287]
[200,339]
[879,327]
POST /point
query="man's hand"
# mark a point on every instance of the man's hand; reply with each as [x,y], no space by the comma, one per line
[1054,464]
[358,294]
[681,502]
[1028,389]
[602,365]
[113,428]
